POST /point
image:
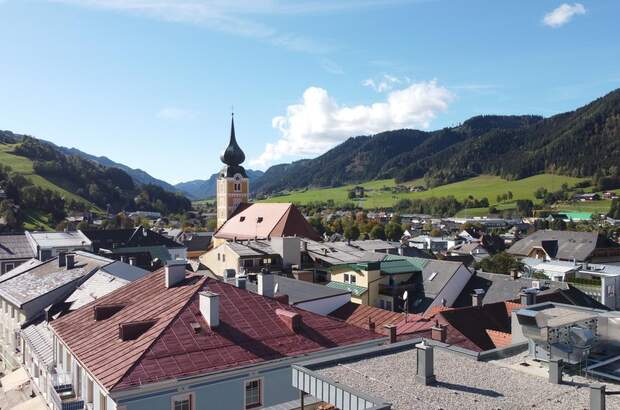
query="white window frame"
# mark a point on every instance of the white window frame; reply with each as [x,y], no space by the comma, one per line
[184,396]
[261,384]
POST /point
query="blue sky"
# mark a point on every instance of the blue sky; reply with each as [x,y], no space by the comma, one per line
[150,83]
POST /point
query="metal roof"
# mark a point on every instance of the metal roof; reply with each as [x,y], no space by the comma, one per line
[15,247]
[577,245]
[59,239]
[39,337]
[354,289]
[299,291]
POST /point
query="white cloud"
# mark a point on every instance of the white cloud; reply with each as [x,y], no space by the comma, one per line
[318,123]
[174,113]
[563,14]
[385,83]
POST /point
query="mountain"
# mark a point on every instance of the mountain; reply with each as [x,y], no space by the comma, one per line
[138,175]
[577,143]
[206,188]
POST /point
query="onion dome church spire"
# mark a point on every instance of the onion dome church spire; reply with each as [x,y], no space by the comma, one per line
[233,156]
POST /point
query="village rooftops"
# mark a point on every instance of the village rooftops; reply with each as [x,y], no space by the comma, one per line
[47,277]
[47,240]
[299,291]
[15,247]
[387,375]
[565,245]
[250,331]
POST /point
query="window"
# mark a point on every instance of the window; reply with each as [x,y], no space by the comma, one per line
[219,257]
[382,303]
[60,355]
[90,387]
[9,267]
[253,394]
[68,361]
[388,305]
[349,278]
[223,257]
[183,402]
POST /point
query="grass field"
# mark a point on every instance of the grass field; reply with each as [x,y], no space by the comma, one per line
[478,187]
[23,166]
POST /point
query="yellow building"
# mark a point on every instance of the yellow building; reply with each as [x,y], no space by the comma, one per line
[383,284]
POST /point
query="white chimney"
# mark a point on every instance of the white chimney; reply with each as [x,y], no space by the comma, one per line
[210,308]
[265,283]
[174,272]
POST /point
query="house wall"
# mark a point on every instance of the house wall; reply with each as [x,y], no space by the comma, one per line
[326,305]
[227,260]
[10,318]
[453,288]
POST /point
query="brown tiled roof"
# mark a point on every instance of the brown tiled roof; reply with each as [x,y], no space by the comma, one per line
[276,220]
[250,332]
[359,315]
[499,339]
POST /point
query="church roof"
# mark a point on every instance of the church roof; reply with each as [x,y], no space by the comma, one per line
[233,154]
[262,220]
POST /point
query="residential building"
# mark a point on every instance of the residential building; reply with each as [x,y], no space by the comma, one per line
[241,257]
[47,245]
[567,246]
[196,243]
[24,296]
[140,246]
[14,250]
[383,284]
[123,351]
[475,249]
[37,343]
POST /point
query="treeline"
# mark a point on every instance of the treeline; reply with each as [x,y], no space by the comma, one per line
[578,143]
[109,188]
[20,193]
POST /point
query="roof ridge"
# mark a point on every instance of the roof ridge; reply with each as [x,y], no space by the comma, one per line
[159,335]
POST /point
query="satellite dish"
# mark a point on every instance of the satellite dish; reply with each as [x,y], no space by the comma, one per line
[275,288]
[405,295]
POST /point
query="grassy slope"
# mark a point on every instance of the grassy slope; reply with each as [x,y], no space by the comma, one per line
[35,220]
[478,187]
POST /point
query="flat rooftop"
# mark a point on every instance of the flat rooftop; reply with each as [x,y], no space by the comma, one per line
[463,383]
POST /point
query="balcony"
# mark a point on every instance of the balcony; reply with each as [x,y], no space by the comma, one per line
[62,395]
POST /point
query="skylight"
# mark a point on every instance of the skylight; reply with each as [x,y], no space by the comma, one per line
[432,276]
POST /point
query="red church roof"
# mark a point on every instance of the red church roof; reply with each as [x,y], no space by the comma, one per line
[263,220]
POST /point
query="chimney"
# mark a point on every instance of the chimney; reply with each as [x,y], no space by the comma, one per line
[266,282]
[282,298]
[240,281]
[293,320]
[70,260]
[392,332]
[62,259]
[514,274]
[174,272]
[132,261]
[476,297]
[371,324]
[304,246]
[528,297]
[439,332]
[425,373]
[210,308]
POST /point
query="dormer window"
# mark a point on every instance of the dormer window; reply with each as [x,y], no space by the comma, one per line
[259,219]
[242,218]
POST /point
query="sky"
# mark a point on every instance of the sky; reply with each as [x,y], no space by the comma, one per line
[152,83]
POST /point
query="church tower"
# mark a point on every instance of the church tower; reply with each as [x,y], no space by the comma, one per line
[233,185]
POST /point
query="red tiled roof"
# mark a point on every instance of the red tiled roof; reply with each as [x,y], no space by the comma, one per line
[277,220]
[359,315]
[500,339]
[250,332]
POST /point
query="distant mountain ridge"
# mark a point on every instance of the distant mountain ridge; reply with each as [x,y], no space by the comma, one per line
[577,143]
[206,188]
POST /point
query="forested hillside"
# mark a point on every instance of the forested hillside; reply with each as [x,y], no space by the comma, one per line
[584,142]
